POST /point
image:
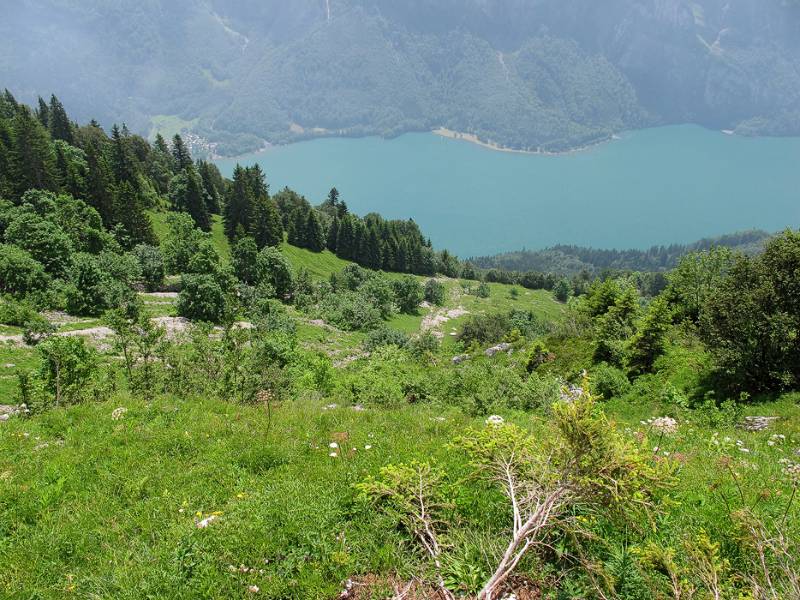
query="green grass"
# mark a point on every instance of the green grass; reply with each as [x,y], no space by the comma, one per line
[22,358]
[107,509]
[321,265]
[169,125]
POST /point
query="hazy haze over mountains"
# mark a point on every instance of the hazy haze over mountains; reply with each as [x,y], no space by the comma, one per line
[550,74]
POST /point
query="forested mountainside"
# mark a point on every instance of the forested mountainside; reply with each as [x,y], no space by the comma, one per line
[548,74]
[570,260]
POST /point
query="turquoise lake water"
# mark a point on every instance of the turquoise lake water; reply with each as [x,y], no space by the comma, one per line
[653,186]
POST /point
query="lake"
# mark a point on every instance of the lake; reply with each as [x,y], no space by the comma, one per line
[652,186]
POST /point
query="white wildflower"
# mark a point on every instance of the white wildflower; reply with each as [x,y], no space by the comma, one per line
[206,522]
[333,455]
[118,413]
[495,420]
[333,445]
[253,589]
[664,425]
[368,447]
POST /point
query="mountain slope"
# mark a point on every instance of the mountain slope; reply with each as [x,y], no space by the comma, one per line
[551,74]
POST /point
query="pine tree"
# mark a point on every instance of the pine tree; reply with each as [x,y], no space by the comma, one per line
[209,173]
[372,256]
[315,239]
[131,216]
[160,144]
[267,224]
[60,126]
[297,229]
[121,162]
[187,194]
[98,183]
[181,154]
[43,113]
[331,240]
[32,158]
[238,205]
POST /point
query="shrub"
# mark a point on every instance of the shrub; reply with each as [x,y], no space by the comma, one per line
[408,293]
[182,241]
[349,311]
[151,265]
[385,336]
[423,344]
[66,368]
[20,273]
[483,291]
[435,292]
[91,290]
[609,382]
[273,268]
[379,292]
[45,242]
[350,278]
[243,256]
[201,299]
[484,329]
[562,290]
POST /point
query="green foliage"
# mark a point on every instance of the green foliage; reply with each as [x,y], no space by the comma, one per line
[408,293]
[20,273]
[182,241]
[244,256]
[201,298]
[608,381]
[273,269]
[67,368]
[483,290]
[349,311]
[92,289]
[696,277]
[435,292]
[385,336]
[751,322]
[151,264]
[562,290]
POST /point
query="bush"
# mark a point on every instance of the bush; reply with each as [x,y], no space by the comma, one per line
[349,311]
[483,291]
[351,278]
[484,329]
[243,256]
[46,243]
[408,293]
[91,290]
[435,292]
[201,299]
[151,265]
[182,242]
[562,290]
[609,382]
[385,336]
[379,292]
[273,268]
[66,368]
[20,273]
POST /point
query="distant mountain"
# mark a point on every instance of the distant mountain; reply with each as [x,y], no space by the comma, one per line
[569,260]
[549,74]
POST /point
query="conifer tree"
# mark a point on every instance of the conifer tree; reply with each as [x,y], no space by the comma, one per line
[181,154]
[60,126]
[315,239]
[237,212]
[98,183]
[297,229]
[267,224]
[131,216]
[372,256]
[211,181]
[121,162]
[32,158]
[187,194]
[332,238]
[160,144]
[43,113]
